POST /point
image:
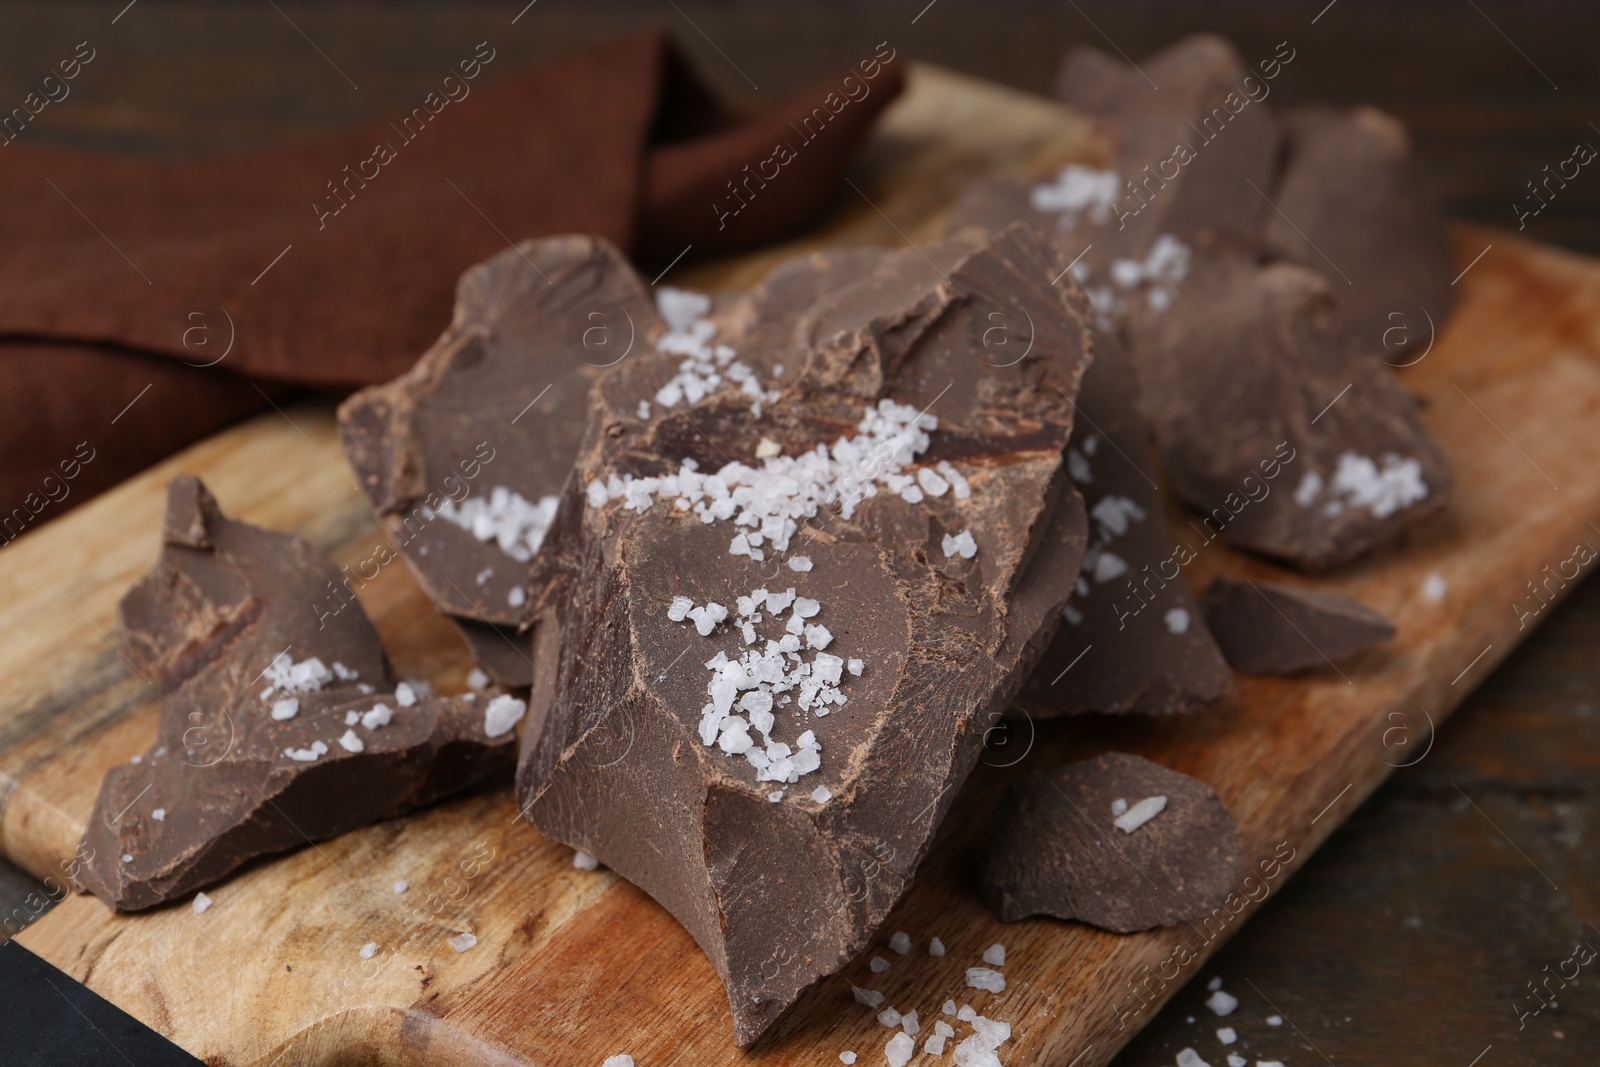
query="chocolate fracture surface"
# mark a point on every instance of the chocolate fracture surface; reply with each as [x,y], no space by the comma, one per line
[1366,219]
[464,456]
[1268,628]
[1133,638]
[276,729]
[1117,842]
[780,615]
[1276,423]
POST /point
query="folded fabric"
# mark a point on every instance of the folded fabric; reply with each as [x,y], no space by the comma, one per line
[332,262]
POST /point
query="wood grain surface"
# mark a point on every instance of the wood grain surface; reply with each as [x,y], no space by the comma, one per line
[573,966]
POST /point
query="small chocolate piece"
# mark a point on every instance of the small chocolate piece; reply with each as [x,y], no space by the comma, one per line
[1133,639]
[1267,628]
[464,456]
[1357,209]
[278,727]
[1276,423]
[1117,842]
[777,618]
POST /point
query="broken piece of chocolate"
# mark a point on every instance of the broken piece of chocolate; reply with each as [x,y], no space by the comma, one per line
[776,616]
[464,456]
[1133,639]
[1356,208]
[1276,423]
[278,728]
[1117,842]
[1268,628]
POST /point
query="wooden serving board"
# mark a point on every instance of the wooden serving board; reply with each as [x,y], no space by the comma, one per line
[574,966]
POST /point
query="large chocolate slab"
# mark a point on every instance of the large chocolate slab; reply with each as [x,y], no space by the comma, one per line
[919,549]
[1080,843]
[464,456]
[1275,422]
[1354,205]
[1133,639]
[280,725]
[1270,628]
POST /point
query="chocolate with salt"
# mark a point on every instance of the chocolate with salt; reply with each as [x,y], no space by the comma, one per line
[1357,209]
[1116,841]
[779,613]
[1275,422]
[463,456]
[1270,628]
[276,730]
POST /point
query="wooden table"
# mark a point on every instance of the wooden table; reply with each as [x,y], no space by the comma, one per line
[1410,935]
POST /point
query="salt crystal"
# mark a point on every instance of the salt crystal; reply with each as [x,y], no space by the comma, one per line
[995,955]
[847,1057]
[1140,813]
[949,1005]
[961,544]
[484,575]
[584,862]
[821,794]
[1222,1002]
[966,1014]
[1078,191]
[936,948]
[984,978]
[1190,1058]
[1433,587]
[866,996]
[1109,565]
[159,815]
[369,950]
[1383,491]
[1114,514]
[855,667]
[766,449]
[1279,1063]
[127,857]
[776,796]
[285,709]
[343,673]
[879,965]
[1236,1060]
[136,760]
[201,903]
[643,410]
[513,522]
[1274,1020]
[1177,621]
[502,714]
[400,887]
[1227,1035]
[909,1024]
[352,717]
[800,564]
[899,1050]
[380,715]
[934,1046]
[477,678]
[406,696]
[900,942]
[942,1028]
[461,942]
[889,1017]
[1215,984]
[622,1059]
[517,596]
[350,742]
[1118,807]
[1305,494]
[302,755]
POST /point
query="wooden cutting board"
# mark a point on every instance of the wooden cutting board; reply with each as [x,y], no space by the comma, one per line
[573,966]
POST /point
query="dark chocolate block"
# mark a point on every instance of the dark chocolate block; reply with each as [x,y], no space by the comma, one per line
[464,456]
[1268,628]
[1277,424]
[278,727]
[756,697]
[1070,843]
[1357,209]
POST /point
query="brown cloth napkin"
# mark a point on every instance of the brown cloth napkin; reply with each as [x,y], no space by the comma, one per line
[332,262]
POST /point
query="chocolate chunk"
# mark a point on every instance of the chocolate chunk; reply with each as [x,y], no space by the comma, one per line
[1357,209]
[1117,842]
[464,456]
[1277,424]
[1267,628]
[1133,639]
[1186,155]
[278,727]
[771,765]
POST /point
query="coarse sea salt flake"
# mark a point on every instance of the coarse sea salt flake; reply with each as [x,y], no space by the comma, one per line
[871,998]
[962,544]
[936,948]
[477,678]
[369,950]
[1221,1002]
[284,709]
[462,941]
[1140,813]
[900,942]
[889,1017]
[995,955]
[847,1057]
[1120,807]
[1227,1035]
[1177,621]
[1190,1058]
[899,1050]
[986,979]
[584,862]
[159,814]
[502,714]
[800,564]
[405,695]
[878,965]
[400,886]
[350,742]
[380,715]
[821,794]
[201,903]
